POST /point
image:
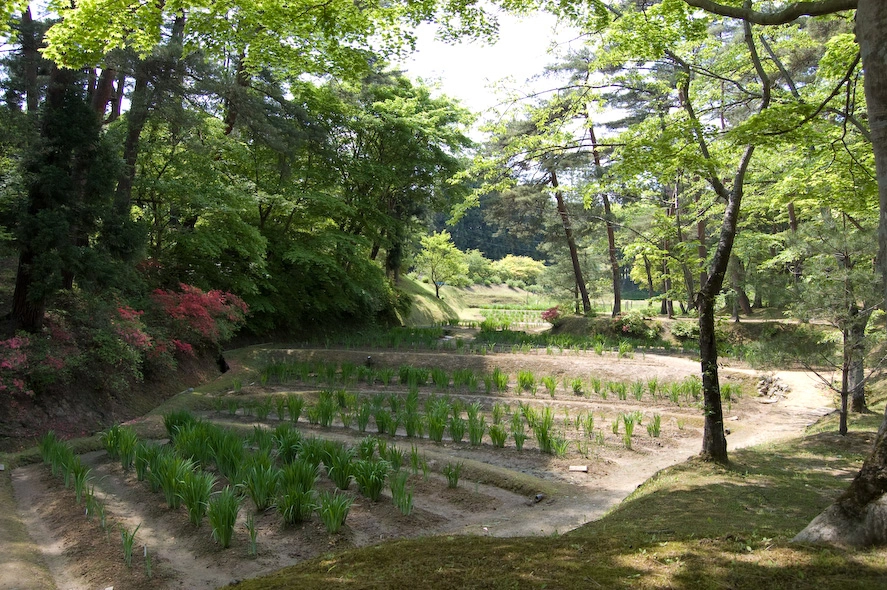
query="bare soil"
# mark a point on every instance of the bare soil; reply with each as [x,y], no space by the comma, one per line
[528,492]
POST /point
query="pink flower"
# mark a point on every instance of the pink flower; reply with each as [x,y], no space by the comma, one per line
[55,363]
[183,347]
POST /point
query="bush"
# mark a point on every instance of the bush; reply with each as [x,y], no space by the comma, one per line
[634,324]
[200,317]
[685,330]
[552,315]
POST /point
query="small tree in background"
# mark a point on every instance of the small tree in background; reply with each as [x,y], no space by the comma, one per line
[480,268]
[838,288]
[521,269]
[441,260]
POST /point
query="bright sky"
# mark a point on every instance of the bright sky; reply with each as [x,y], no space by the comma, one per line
[467,71]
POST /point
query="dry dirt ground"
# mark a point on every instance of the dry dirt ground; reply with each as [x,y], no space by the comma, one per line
[542,495]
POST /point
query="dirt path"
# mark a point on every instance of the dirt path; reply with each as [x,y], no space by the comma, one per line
[79,557]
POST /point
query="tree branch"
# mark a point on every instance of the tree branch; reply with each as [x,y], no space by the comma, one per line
[778,17]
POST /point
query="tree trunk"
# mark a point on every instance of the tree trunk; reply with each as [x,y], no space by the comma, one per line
[571,243]
[31,58]
[689,285]
[29,301]
[611,232]
[117,102]
[855,366]
[858,517]
[140,107]
[614,261]
[845,369]
[714,443]
[141,103]
[649,271]
[871,24]
[232,101]
[701,249]
[667,302]
[104,89]
[737,277]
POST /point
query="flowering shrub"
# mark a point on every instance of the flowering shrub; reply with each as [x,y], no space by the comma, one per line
[110,344]
[634,324]
[200,317]
[14,365]
[552,315]
[129,327]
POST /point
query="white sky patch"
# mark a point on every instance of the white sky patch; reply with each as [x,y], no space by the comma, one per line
[472,71]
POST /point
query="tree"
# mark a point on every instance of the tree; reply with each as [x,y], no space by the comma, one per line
[441,260]
[838,287]
[856,517]
[396,149]
[531,152]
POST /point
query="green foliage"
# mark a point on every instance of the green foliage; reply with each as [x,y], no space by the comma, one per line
[339,465]
[654,428]
[452,471]
[128,540]
[222,513]
[523,270]
[333,509]
[370,476]
[476,429]
[260,480]
[299,474]
[498,434]
[296,505]
[403,497]
[170,472]
[456,427]
[196,491]
[441,260]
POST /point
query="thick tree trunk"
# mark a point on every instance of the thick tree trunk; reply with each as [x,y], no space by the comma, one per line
[27,311]
[232,101]
[142,102]
[104,89]
[117,101]
[571,243]
[859,517]
[29,302]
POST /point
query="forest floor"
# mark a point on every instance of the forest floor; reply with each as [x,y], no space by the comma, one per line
[503,492]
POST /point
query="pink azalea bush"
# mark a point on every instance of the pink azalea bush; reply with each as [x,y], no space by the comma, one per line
[112,343]
[552,315]
[195,317]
